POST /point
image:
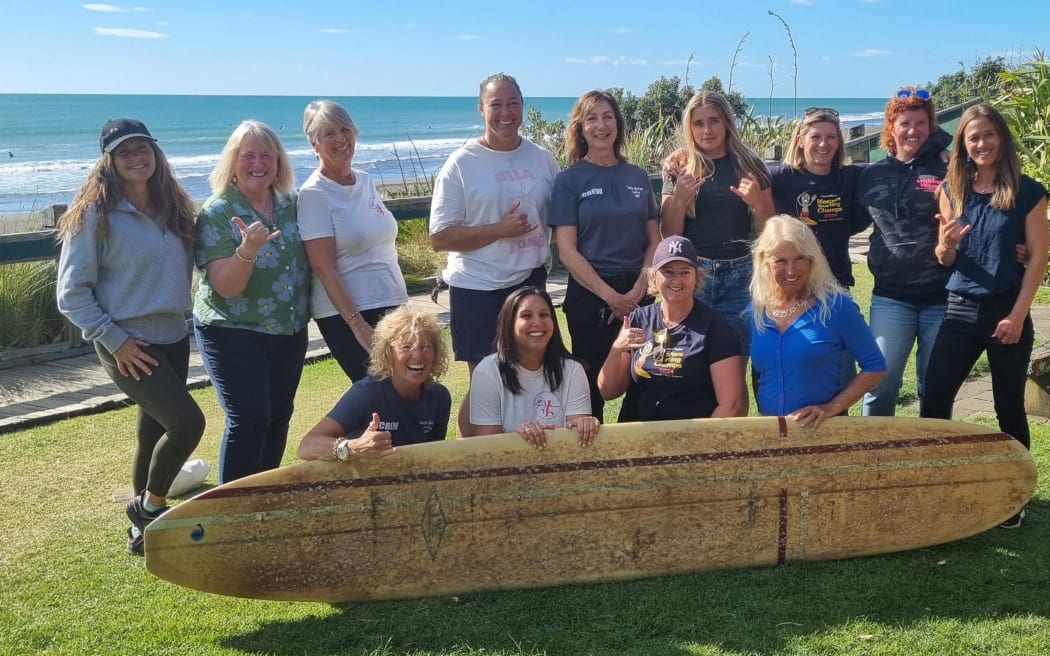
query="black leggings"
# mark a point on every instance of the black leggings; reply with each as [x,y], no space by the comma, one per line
[170,423]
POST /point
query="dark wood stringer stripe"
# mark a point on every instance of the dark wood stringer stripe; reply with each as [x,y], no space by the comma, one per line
[612,464]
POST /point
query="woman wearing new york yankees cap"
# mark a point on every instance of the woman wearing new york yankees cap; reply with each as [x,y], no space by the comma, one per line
[124,280]
[683,356]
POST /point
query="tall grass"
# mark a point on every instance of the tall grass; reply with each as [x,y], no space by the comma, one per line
[28,313]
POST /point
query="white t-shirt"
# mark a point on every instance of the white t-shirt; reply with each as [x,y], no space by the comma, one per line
[364,232]
[475,187]
[493,405]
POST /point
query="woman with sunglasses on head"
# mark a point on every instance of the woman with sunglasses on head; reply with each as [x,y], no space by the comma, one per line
[682,358]
[605,217]
[897,195]
[703,200]
[124,280]
[531,384]
[987,207]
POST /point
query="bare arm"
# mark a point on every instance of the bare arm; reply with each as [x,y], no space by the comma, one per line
[641,286]
[727,375]
[950,232]
[584,273]
[814,415]
[229,275]
[470,238]
[615,374]
[319,442]
[321,254]
[1037,239]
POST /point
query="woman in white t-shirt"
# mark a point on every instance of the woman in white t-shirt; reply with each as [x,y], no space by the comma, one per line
[531,384]
[349,236]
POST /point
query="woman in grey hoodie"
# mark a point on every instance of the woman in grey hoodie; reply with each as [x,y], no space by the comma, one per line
[124,280]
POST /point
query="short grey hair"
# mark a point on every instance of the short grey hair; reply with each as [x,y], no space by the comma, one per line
[322,113]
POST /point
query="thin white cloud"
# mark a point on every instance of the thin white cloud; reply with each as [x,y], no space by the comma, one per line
[161,23]
[872,52]
[128,33]
[618,30]
[96,6]
[603,60]
[468,37]
[333,30]
[805,3]
[744,64]
[142,10]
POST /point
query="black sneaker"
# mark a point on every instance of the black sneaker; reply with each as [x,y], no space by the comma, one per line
[138,514]
[135,547]
[1014,521]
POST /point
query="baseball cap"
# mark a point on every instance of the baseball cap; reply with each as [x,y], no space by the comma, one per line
[118,130]
[674,249]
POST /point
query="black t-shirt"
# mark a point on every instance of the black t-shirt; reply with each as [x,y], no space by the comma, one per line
[673,379]
[826,203]
[721,226]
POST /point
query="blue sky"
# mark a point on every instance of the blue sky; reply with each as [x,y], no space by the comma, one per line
[846,48]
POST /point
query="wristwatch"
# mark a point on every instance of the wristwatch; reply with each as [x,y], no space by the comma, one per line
[341,449]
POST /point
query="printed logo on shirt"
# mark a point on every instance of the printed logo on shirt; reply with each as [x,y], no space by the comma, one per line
[514,175]
[927,183]
[592,192]
[637,191]
[814,209]
[377,206]
[388,425]
[426,426]
[546,407]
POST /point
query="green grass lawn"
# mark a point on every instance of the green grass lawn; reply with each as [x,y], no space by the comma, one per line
[68,588]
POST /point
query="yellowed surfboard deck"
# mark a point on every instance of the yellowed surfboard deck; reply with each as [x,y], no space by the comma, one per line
[646,499]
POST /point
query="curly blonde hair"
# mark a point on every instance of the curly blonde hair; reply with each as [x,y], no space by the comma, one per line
[406,325]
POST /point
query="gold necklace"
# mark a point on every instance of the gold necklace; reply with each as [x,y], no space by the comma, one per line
[787,312]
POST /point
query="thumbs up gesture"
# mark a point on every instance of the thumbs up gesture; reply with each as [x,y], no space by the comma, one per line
[373,442]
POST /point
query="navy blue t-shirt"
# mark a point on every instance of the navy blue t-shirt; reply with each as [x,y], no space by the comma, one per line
[672,371]
[409,422]
[826,204]
[610,207]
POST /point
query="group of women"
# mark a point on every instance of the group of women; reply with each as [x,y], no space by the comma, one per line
[665,302]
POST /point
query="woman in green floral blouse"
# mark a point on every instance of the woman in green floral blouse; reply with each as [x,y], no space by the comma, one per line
[251,311]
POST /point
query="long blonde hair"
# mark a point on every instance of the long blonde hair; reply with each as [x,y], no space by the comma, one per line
[226,170]
[785,229]
[103,189]
[744,159]
[961,169]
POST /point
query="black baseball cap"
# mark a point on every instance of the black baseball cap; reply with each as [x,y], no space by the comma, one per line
[118,130]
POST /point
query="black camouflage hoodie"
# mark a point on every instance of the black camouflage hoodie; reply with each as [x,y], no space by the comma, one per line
[899,198]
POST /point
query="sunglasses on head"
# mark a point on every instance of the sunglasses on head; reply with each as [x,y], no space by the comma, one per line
[821,113]
[905,92]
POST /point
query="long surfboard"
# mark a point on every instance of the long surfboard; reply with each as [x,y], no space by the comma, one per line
[645,499]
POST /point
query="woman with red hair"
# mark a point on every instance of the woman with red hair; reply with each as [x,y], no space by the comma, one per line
[898,196]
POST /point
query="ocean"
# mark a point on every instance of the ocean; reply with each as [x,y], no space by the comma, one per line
[49,142]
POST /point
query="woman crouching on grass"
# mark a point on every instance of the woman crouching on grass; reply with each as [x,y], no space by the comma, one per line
[124,281]
[400,402]
[531,384]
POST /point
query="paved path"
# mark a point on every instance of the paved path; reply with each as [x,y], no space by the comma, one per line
[39,393]
[48,391]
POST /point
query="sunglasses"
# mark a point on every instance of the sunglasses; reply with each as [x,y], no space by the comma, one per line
[905,92]
[815,114]
[830,111]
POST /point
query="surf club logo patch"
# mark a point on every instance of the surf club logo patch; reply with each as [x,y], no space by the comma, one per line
[927,183]
[546,407]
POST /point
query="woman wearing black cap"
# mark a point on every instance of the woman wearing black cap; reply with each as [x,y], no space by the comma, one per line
[124,280]
[682,355]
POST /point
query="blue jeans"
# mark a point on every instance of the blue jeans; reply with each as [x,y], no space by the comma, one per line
[896,326]
[255,377]
[727,289]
